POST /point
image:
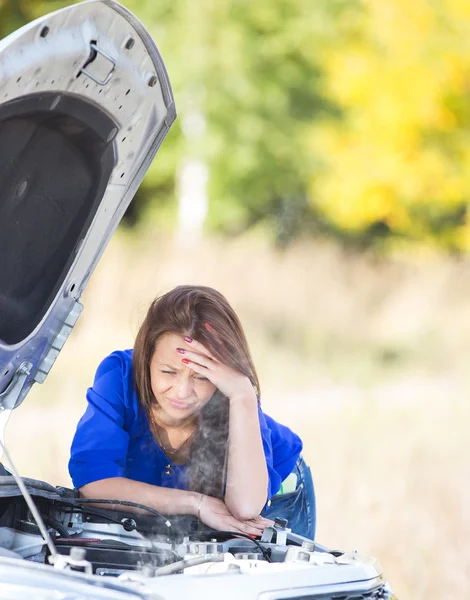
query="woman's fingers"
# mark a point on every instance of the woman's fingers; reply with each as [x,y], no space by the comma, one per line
[230,382]
[196,358]
[245,527]
[254,526]
[199,348]
[229,523]
[262,522]
[215,514]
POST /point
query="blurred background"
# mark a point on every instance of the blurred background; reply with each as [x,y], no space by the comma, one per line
[318,175]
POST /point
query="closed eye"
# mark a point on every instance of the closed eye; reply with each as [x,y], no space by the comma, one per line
[201,378]
[169,372]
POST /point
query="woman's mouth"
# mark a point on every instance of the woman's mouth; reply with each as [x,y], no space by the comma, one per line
[178,404]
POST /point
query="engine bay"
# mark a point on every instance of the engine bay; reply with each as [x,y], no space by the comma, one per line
[112,542]
[51,533]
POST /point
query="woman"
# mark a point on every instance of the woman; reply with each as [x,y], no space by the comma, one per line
[176,424]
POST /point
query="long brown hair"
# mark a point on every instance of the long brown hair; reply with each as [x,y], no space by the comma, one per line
[184,311]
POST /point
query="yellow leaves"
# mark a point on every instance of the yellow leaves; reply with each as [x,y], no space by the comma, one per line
[459,9]
[360,189]
[400,155]
[401,26]
[390,92]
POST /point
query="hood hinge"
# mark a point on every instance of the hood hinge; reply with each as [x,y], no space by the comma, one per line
[58,343]
[9,397]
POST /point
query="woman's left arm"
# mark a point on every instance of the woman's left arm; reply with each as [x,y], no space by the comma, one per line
[247,474]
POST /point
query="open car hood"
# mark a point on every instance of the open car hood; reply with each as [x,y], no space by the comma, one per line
[85,102]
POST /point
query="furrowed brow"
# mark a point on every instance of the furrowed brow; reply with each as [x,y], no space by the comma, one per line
[168,366]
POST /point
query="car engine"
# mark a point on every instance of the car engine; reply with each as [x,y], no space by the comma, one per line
[111,540]
[114,541]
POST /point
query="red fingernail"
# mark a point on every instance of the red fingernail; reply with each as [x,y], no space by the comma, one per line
[208,326]
[188,339]
[252,535]
[180,350]
[185,360]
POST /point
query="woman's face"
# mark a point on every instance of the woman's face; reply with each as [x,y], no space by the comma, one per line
[180,392]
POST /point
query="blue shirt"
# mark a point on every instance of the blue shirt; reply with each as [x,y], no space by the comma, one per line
[113,438]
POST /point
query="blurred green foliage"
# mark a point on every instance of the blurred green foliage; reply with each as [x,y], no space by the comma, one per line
[341,117]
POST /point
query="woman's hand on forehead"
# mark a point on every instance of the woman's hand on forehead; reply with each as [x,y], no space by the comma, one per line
[230,382]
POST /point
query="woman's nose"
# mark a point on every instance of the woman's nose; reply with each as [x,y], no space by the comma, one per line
[184,387]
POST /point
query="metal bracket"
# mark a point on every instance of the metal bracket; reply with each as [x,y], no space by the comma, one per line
[76,560]
[95,51]
[57,343]
[9,397]
[276,534]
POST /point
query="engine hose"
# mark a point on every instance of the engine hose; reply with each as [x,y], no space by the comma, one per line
[188,562]
[54,524]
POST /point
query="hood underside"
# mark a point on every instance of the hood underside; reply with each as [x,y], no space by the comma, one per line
[85,103]
[54,169]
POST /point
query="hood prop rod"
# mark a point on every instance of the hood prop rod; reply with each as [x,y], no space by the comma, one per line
[59,561]
[32,507]
[9,397]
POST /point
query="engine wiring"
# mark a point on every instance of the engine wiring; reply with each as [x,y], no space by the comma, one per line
[55,525]
[94,513]
[152,511]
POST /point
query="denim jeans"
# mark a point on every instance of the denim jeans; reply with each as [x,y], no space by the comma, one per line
[298,507]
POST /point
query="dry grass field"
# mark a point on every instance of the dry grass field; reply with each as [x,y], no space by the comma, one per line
[367,359]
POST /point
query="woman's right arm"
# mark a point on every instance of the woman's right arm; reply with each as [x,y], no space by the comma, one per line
[166,500]
[212,511]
